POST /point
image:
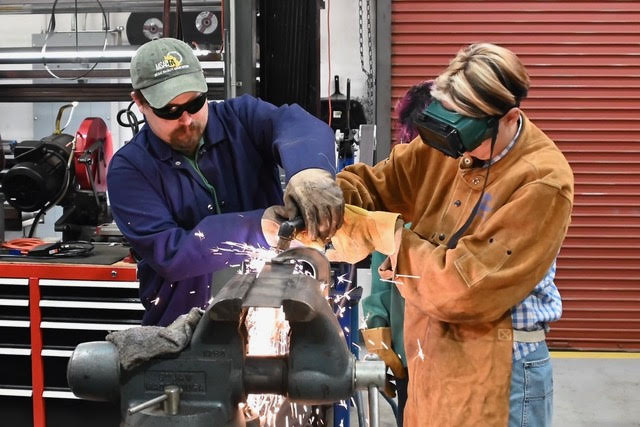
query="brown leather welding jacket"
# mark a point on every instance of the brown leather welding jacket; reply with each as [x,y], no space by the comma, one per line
[458,331]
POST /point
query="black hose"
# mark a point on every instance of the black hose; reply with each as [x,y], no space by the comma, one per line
[132,120]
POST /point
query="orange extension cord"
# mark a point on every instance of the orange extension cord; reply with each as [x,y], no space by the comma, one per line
[24,245]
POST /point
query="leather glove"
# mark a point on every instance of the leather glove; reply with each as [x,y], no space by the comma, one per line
[378,341]
[363,232]
[137,345]
[314,195]
[270,223]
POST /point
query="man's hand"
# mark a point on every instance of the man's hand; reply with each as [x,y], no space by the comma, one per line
[314,195]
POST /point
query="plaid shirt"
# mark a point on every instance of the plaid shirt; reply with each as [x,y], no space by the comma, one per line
[541,306]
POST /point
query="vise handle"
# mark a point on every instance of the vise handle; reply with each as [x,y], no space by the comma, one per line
[171,399]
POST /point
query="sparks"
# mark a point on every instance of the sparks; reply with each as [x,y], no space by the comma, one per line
[155,301]
[199,234]
[408,275]
[341,279]
[268,334]
[420,353]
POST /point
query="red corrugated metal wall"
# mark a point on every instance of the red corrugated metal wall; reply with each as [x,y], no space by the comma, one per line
[584,62]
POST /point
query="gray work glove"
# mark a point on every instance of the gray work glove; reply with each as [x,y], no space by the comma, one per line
[139,344]
[314,194]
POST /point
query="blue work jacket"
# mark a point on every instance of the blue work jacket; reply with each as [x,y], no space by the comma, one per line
[169,216]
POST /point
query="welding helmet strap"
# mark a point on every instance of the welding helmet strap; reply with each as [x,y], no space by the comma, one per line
[453,241]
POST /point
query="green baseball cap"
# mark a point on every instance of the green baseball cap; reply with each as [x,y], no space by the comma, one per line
[165,68]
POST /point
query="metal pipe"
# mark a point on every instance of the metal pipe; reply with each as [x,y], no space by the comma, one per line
[56,55]
[91,6]
[373,407]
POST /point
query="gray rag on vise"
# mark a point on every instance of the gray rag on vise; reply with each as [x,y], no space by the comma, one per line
[139,344]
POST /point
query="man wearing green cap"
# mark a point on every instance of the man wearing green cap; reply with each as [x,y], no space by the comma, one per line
[200,174]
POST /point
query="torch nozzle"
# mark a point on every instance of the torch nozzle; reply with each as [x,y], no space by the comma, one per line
[287,232]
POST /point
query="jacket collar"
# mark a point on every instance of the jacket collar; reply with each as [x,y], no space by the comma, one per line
[475,174]
[213,134]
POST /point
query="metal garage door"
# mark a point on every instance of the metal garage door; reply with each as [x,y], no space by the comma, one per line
[584,61]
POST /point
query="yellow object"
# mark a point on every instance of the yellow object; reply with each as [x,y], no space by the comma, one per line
[362,232]
[378,341]
[58,129]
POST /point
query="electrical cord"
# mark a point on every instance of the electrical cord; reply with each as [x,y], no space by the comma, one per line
[132,120]
[23,245]
[37,248]
[51,29]
[63,192]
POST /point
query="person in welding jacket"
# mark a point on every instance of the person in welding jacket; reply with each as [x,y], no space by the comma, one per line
[200,173]
[383,309]
[489,197]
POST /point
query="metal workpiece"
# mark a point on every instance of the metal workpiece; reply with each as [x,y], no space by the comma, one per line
[369,372]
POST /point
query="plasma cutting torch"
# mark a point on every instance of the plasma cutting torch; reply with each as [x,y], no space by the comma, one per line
[204,384]
[287,232]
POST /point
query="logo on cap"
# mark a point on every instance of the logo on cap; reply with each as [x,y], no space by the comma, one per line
[172,61]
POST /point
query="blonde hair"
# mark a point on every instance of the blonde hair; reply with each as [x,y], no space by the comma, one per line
[483,80]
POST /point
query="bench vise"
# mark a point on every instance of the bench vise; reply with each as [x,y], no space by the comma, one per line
[205,383]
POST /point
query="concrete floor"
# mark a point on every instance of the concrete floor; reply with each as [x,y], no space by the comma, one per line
[590,390]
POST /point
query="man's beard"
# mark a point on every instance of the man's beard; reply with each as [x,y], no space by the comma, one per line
[186,139]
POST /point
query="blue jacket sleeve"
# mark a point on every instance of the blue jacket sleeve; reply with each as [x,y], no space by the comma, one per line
[174,252]
[296,139]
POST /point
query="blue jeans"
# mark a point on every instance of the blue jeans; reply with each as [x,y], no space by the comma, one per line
[531,401]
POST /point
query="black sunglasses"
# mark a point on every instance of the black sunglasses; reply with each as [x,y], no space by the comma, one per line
[174,112]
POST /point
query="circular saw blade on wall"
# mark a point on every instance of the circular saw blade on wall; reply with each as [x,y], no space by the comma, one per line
[199,28]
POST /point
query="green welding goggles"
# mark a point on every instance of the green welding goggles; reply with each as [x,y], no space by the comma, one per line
[452,133]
